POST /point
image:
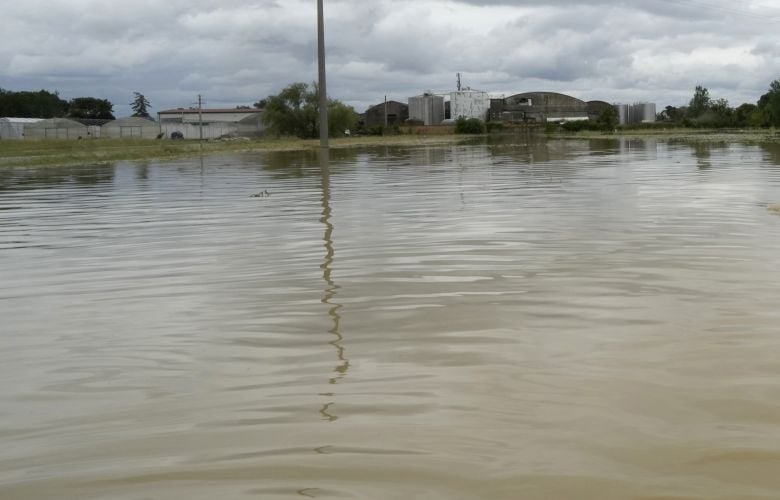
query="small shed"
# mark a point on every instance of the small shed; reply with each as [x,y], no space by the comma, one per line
[135,127]
[13,128]
[56,128]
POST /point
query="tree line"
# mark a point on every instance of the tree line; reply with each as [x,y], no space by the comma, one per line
[45,104]
[704,111]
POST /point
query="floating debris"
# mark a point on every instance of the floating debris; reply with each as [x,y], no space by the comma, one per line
[774,207]
[262,194]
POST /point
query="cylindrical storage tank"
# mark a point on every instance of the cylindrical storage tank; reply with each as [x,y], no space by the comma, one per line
[623,113]
[427,108]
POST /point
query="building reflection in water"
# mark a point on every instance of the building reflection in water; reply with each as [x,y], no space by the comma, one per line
[331,288]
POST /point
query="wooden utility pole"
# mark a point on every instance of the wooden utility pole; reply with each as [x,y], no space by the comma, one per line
[322,87]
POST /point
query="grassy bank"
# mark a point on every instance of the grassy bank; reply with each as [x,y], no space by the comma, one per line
[681,134]
[48,152]
[51,152]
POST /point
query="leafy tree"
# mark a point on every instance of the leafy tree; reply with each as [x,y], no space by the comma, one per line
[26,104]
[465,125]
[260,104]
[700,102]
[295,112]
[743,113]
[90,107]
[769,103]
[672,114]
[140,105]
[608,119]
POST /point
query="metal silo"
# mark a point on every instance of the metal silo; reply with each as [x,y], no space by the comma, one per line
[427,108]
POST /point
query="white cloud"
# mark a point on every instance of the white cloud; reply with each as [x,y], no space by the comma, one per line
[238,51]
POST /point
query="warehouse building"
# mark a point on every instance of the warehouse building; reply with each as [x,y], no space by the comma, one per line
[427,108]
[215,123]
[539,107]
[397,113]
[56,128]
[13,128]
[136,127]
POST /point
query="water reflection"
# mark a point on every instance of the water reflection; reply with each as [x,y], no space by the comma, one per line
[491,326]
[37,177]
[331,287]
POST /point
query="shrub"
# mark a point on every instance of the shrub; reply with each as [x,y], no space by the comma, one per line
[469,126]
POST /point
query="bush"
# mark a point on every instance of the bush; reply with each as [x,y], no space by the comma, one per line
[469,126]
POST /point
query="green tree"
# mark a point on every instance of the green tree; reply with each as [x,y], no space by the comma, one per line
[769,104]
[27,104]
[90,107]
[700,102]
[608,119]
[295,112]
[140,105]
[743,113]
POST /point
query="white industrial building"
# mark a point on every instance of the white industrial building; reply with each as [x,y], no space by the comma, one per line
[640,112]
[135,127]
[13,128]
[56,128]
[469,104]
[214,123]
[427,108]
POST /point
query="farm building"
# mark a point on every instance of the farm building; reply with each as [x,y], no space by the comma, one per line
[427,108]
[540,107]
[469,104]
[13,128]
[134,127]
[216,123]
[397,114]
[56,128]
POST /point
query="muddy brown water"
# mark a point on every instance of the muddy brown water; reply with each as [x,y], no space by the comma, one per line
[524,319]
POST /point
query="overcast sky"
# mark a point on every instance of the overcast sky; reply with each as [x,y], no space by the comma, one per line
[236,52]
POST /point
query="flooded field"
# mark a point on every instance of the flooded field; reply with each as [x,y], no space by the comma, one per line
[530,320]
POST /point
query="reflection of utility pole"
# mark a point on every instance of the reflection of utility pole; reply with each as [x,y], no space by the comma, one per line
[323,90]
[330,285]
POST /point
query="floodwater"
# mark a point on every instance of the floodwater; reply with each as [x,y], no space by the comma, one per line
[526,319]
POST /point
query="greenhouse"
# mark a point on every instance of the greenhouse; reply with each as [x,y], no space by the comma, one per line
[56,128]
[13,128]
[132,127]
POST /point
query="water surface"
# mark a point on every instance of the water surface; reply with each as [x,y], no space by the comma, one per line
[520,319]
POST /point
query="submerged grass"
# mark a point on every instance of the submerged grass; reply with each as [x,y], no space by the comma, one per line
[51,152]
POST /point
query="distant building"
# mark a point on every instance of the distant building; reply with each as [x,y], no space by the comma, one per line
[216,123]
[397,114]
[640,112]
[13,128]
[469,104]
[540,107]
[427,108]
[56,128]
[135,127]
